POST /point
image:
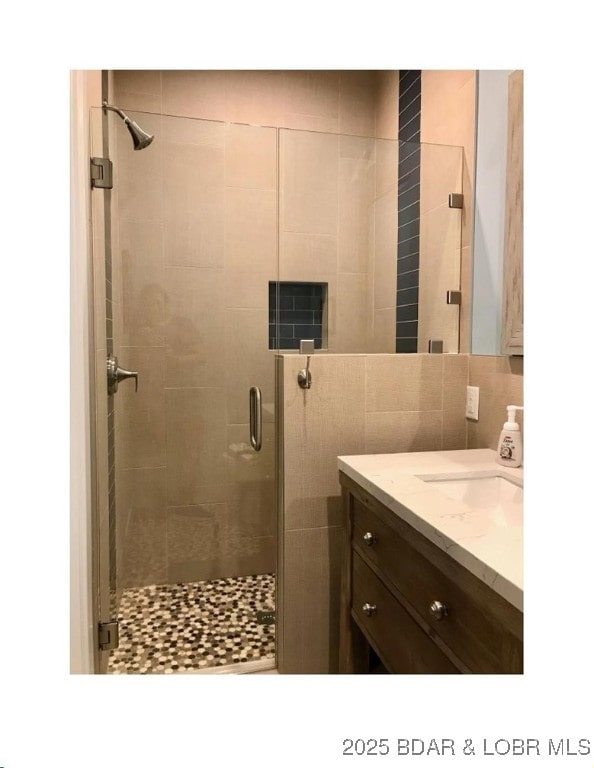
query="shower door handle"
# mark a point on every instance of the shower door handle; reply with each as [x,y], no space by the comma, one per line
[256,418]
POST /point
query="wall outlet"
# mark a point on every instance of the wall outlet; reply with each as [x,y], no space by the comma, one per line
[472,403]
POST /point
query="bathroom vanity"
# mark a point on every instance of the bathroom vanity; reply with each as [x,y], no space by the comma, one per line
[432,572]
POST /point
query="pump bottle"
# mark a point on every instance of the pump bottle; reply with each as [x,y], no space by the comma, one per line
[509,449]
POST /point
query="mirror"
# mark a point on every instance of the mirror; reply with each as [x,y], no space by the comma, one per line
[497,276]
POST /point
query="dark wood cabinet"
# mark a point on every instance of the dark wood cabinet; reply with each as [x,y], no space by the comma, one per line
[412,605]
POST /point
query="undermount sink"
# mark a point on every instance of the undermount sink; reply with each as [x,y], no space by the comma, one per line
[493,492]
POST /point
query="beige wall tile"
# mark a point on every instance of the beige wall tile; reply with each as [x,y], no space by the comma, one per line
[455,381]
[251,260]
[352,316]
[439,272]
[312,501]
[385,251]
[356,104]
[140,174]
[501,383]
[145,81]
[196,442]
[404,382]
[440,229]
[250,157]
[327,420]
[194,93]
[313,561]
[193,203]
[401,432]
[254,96]
[141,514]
[308,183]
[356,188]
[142,289]
[194,326]
[384,325]
[310,100]
[140,432]
[248,363]
[441,174]
[386,115]
[386,167]
[444,94]
[251,472]
[305,257]
[250,229]
[138,102]
[180,131]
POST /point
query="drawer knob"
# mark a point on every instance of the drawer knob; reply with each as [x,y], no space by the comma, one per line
[438,610]
[369,538]
[369,609]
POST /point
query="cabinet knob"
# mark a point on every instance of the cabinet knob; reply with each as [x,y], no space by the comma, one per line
[369,538]
[369,609]
[438,610]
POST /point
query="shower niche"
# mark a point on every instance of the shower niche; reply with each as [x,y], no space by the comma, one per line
[297,311]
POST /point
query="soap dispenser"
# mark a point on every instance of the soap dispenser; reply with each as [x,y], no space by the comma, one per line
[509,449]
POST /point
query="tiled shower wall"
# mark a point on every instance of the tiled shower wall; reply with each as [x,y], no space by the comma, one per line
[197,235]
[198,247]
[363,404]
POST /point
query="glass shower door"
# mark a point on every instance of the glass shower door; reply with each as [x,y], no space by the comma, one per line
[193,223]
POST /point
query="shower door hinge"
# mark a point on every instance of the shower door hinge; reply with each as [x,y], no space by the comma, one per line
[109,636]
[101,173]
[456,200]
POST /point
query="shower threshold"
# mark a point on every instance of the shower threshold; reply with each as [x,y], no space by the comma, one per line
[198,627]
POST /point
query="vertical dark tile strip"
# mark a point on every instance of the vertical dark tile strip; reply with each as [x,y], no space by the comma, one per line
[409,181]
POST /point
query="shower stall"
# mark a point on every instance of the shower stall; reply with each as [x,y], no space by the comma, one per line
[218,247]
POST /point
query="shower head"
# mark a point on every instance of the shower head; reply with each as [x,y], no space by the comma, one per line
[140,138]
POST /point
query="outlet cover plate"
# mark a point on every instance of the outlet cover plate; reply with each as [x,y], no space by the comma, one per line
[472,403]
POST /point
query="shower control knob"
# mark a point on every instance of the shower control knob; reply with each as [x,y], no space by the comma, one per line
[369,609]
[438,610]
[115,374]
[369,538]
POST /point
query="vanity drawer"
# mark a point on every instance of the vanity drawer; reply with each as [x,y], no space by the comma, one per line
[481,629]
[403,646]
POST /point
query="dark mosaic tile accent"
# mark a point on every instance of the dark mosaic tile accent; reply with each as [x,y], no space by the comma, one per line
[172,628]
[407,330]
[408,280]
[409,193]
[406,312]
[295,312]
[406,345]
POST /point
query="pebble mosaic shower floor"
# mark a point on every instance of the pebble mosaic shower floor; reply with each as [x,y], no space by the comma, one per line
[171,628]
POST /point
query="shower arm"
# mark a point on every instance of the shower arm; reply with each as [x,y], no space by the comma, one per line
[123,115]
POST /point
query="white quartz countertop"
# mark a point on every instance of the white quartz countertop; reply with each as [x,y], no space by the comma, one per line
[488,544]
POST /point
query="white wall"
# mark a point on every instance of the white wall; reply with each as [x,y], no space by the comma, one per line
[85,89]
[491,155]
